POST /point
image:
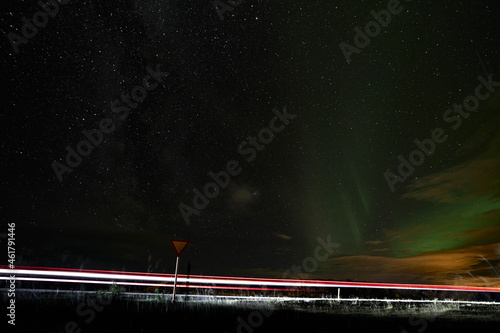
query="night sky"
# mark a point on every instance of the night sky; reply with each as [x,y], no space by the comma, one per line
[221,83]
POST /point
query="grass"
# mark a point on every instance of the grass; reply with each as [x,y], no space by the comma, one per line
[155,312]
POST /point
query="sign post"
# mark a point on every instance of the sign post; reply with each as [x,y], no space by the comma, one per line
[179,245]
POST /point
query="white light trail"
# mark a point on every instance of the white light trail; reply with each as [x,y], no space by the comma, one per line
[207,281]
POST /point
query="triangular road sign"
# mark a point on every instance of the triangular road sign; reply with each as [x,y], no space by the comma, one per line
[179,245]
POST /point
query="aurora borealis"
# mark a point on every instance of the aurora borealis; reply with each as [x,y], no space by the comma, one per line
[322,175]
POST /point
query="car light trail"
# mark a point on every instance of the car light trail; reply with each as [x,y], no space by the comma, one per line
[43,274]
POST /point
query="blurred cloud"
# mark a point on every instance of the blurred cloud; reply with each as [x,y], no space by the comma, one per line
[439,267]
[283,236]
[374,242]
[472,266]
[381,250]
